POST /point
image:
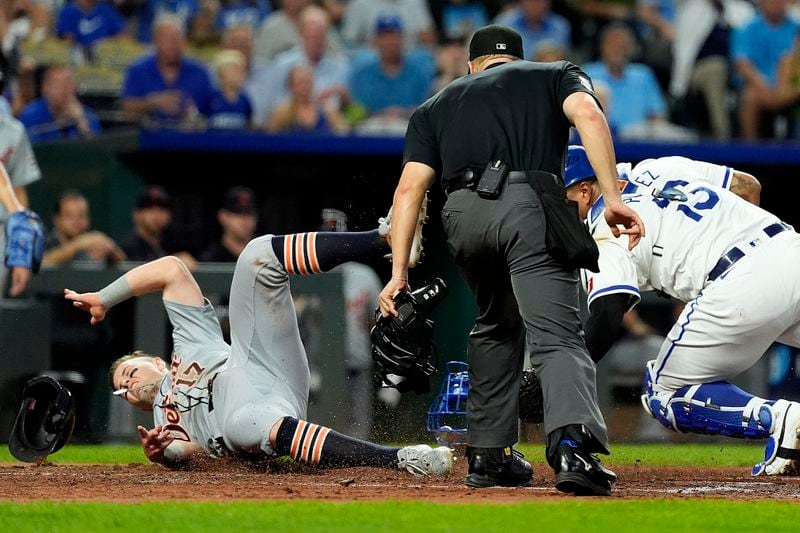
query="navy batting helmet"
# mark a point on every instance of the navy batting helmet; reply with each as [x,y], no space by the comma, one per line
[577,167]
[45,420]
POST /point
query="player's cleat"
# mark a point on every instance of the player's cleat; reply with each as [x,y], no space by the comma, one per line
[491,467]
[385,229]
[782,453]
[581,473]
[423,460]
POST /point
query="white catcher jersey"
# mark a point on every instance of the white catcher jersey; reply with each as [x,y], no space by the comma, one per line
[659,173]
[185,398]
[684,241]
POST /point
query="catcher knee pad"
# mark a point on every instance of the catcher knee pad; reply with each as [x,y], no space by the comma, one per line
[718,408]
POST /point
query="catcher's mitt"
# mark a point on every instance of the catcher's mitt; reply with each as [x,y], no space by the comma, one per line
[531,401]
[403,345]
[44,422]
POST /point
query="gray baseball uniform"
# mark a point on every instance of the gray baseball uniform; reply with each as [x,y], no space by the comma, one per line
[227,398]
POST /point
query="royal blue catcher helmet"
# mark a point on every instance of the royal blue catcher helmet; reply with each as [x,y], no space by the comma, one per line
[447,415]
[577,167]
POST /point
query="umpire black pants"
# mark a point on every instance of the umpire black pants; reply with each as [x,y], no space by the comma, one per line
[523,295]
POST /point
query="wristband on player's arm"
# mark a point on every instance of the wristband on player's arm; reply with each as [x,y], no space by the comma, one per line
[604,323]
[116,292]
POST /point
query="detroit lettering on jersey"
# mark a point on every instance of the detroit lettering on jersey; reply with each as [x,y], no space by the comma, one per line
[684,241]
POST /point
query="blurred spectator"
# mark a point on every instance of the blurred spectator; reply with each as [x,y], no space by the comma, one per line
[152,215]
[549,51]
[238,218]
[242,13]
[303,112]
[166,85]
[361,18]
[203,31]
[84,22]
[15,27]
[71,239]
[787,91]
[635,95]
[701,61]
[58,114]
[657,31]
[460,18]
[229,107]
[360,286]
[451,60]
[757,50]
[335,9]
[330,68]
[19,160]
[184,12]
[278,33]
[536,22]
[389,84]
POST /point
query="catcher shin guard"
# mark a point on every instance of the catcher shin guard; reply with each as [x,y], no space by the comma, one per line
[314,444]
[403,344]
[717,408]
[447,415]
[314,253]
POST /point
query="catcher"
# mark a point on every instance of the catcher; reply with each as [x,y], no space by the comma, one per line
[249,398]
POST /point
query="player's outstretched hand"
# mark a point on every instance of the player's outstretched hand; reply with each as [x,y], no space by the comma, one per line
[89,302]
[388,293]
[154,442]
[620,214]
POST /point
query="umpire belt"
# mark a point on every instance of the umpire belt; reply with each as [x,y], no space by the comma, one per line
[469,179]
[734,254]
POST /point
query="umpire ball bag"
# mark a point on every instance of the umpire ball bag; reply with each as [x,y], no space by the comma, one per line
[45,420]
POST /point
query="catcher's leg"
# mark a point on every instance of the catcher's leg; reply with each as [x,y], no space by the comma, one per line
[317,252]
[311,443]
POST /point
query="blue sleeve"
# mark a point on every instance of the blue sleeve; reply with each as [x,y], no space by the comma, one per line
[134,86]
[94,122]
[565,32]
[359,89]
[656,103]
[115,21]
[67,22]
[740,43]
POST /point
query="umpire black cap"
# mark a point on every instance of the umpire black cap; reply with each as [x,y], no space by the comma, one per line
[45,420]
[495,39]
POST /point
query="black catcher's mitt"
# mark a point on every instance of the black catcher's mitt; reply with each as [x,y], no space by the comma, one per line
[44,422]
[531,402]
[403,345]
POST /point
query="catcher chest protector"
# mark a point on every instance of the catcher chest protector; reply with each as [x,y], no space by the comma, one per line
[447,415]
[44,422]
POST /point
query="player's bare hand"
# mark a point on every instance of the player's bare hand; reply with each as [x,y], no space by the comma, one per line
[89,302]
[620,214]
[154,442]
[388,293]
[20,277]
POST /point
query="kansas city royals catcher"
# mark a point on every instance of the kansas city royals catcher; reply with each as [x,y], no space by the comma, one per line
[249,397]
[735,266]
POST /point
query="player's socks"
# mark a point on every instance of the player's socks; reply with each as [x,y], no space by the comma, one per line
[314,444]
[316,252]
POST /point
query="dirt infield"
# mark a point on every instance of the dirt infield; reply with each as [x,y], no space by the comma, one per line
[137,483]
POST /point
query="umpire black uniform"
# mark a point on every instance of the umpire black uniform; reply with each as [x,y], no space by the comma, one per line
[491,137]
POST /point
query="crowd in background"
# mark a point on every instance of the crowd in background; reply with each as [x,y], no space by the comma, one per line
[664,69]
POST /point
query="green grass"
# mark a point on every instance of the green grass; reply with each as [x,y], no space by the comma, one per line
[568,515]
[719,454]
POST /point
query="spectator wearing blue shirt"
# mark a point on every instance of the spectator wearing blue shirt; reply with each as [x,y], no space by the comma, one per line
[634,92]
[460,18]
[390,84]
[58,114]
[535,22]
[757,49]
[229,106]
[152,10]
[242,13]
[85,22]
[166,86]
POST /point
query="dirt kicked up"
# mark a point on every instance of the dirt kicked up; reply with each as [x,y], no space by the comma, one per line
[139,483]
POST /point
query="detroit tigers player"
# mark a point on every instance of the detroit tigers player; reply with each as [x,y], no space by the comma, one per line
[248,398]
[735,266]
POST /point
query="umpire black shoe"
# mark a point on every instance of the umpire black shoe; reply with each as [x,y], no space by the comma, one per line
[581,473]
[492,467]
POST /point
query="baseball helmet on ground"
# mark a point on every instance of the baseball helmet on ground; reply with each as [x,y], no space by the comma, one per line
[577,167]
[45,420]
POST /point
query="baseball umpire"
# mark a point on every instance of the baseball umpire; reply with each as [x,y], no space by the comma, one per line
[497,137]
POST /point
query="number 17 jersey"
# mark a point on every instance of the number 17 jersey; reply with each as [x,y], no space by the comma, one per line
[684,241]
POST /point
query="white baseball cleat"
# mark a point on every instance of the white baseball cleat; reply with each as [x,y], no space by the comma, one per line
[782,453]
[422,460]
[385,229]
